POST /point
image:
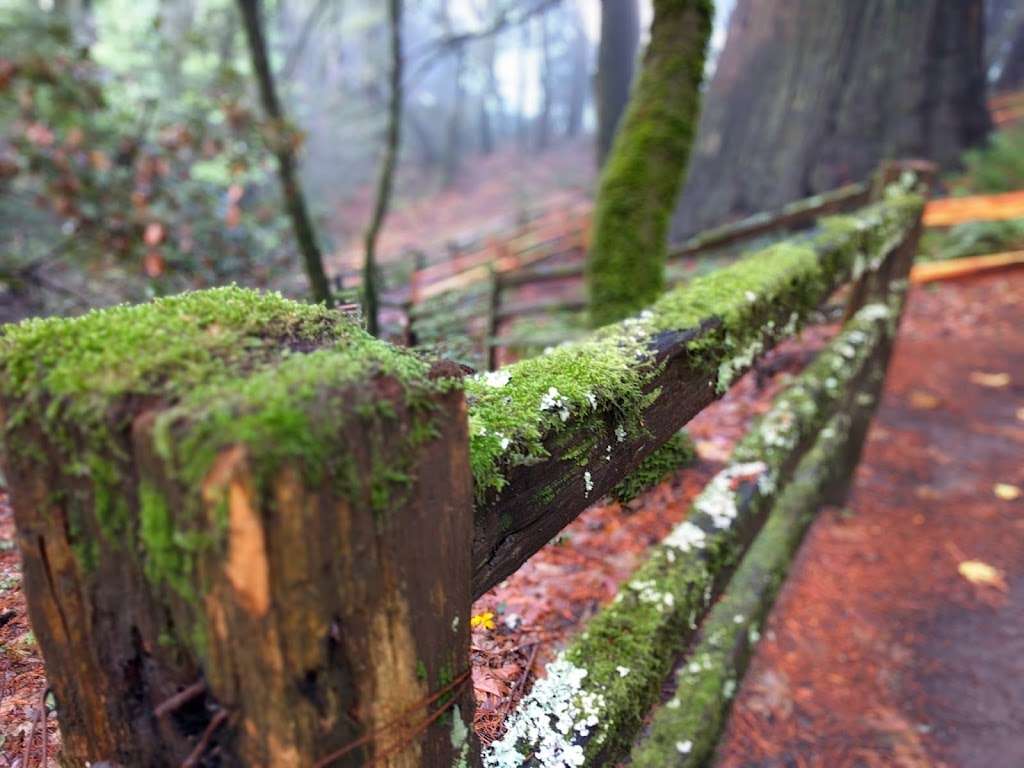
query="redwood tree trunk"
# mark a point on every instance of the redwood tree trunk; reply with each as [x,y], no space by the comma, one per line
[809,95]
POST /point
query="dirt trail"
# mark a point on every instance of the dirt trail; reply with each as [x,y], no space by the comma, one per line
[881,651]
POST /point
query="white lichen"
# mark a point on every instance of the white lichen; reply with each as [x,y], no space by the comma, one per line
[684,747]
[548,722]
[496,379]
[686,536]
[553,400]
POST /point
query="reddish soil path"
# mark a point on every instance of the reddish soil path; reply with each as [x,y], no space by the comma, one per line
[880,652]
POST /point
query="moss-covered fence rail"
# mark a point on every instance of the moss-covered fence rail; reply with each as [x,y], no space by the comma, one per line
[473,293]
[251,534]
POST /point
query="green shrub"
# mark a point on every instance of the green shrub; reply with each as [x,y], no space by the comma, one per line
[973,239]
[996,167]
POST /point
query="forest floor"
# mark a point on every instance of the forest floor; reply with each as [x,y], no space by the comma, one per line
[899,638]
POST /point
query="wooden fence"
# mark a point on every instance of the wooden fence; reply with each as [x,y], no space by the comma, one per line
[252,534]
[479,293]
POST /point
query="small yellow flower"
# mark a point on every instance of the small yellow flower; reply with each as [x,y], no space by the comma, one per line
[482,621]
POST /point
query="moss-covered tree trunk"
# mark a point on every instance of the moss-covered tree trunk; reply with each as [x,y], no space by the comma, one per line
[643,173]
[245,528]
[810,95]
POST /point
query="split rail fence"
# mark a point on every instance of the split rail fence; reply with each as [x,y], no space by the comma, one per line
[480,291]
[252,534]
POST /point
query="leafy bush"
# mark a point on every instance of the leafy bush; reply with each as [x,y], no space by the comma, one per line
[972,239]
[997,167]
[180,194]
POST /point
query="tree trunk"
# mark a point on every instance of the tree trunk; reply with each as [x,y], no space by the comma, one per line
[1010,58]
[287,587]
[640,181]
[616,60]
[387,172]
[283,148]
[579,84]
[810,95]
[522,122]
[546,86]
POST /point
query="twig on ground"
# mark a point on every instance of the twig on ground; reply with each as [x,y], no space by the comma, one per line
[181,697]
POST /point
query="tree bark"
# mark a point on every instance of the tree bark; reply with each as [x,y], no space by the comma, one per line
[283,148]
[616,61]
[387,172]
[809,95]
[546,86]
[577,91]
[640,181]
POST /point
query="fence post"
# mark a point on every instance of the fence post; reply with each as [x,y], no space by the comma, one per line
[246,529]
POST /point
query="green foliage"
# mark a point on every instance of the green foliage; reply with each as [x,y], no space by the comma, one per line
[972,239]
[997,167]
[647,163]
[174,190]
[675,454]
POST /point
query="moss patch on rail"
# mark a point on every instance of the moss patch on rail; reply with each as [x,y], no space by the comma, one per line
[517,411]
[676,453]
[611,674]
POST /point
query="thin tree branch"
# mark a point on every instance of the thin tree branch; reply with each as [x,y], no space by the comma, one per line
[284,151]
[387,173]
[296,51]
[430,53]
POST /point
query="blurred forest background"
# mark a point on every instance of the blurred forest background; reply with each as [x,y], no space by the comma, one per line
[140,154]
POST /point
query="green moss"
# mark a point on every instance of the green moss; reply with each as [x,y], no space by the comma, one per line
[647,163]
[606,381]
[675,454]
[223,367]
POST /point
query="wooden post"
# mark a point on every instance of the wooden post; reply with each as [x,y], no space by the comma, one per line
[245,528]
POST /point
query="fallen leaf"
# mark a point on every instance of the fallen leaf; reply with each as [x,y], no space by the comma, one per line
[992,380]
[709,450]
[1006,492]
[484,680]
[923,401]
[982,574]
[1020,414]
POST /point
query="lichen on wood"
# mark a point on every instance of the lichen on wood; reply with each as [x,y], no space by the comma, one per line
[725,312]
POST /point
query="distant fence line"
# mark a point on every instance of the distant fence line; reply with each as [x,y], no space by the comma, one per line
[472,292]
